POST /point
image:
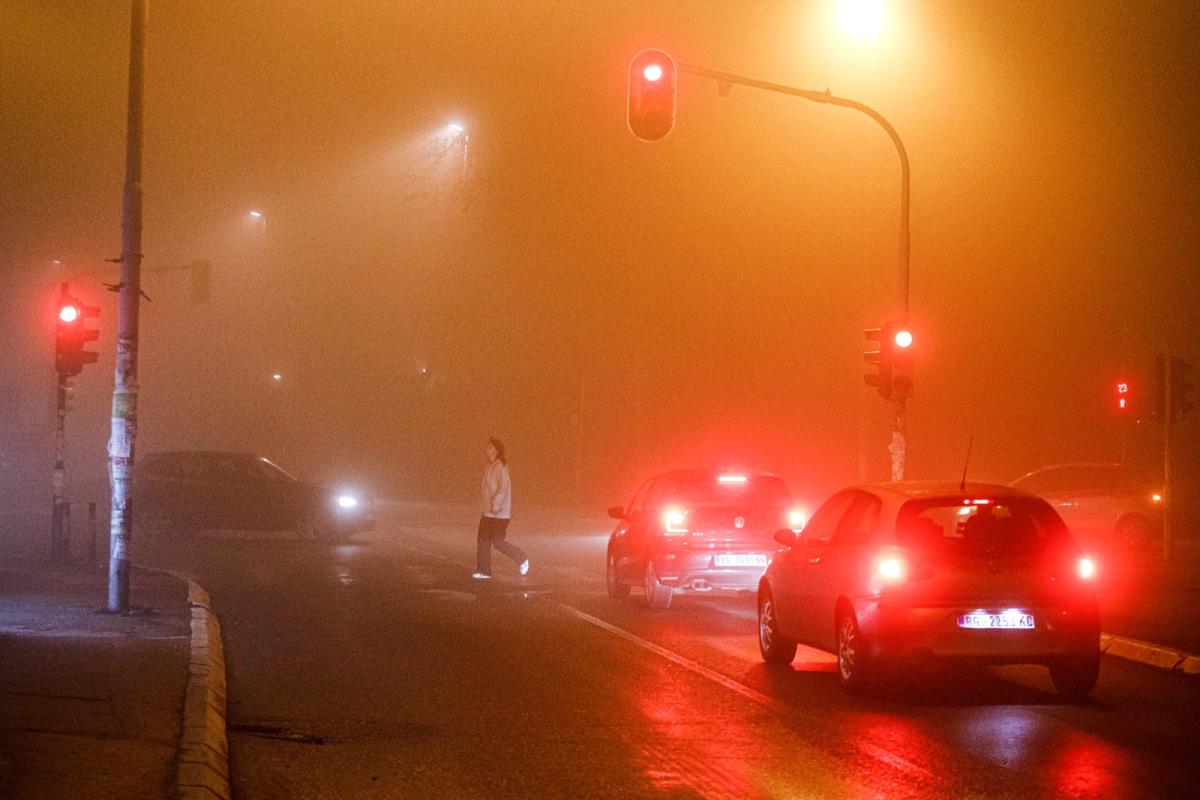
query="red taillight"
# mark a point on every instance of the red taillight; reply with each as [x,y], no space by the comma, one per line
[675,521]
[796,519]
[1086,569]
[892,569]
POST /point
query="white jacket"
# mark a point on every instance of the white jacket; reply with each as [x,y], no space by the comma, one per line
[497,491]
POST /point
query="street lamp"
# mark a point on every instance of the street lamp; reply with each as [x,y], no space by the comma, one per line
[862,19]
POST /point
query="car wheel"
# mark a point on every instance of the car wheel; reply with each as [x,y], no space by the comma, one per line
[616,589]
[1075,677]
[1135,531]
[775,648]
[658,595]
[855,669]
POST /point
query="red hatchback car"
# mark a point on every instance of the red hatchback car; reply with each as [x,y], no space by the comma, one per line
[697,530]
[895,573]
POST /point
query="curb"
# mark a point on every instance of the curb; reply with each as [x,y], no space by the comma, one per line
[203,752]
[1154,655]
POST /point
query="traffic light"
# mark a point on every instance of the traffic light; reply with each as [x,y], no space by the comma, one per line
[1181,388]
[902,362]
[880,358]
[651,95]
[72,334]
[892,358]
[1124,398]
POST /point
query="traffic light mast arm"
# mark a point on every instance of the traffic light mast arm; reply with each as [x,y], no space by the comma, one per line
[826,97]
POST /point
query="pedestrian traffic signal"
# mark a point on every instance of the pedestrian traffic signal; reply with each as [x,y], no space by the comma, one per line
[1124,399]
[651,95]
[1181,388]
[72,334]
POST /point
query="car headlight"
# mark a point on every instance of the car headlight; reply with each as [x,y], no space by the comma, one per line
[347,501]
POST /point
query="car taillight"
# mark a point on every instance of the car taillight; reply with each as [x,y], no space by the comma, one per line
[1085,568]
[796,520]
[892,569]
[1156,498]
[675,521]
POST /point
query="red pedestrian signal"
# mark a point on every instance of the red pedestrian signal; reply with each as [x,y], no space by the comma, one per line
[71,335]
[1123,397]
[651,95]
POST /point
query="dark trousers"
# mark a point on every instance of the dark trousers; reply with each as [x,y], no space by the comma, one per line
[491,534]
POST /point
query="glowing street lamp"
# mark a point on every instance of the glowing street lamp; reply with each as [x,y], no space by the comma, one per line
[862,19]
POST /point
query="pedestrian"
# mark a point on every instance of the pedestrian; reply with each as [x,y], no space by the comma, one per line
[497,511]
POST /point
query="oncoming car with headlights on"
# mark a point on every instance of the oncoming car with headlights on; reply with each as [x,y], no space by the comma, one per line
[189,490]
[697,530]
[891,574]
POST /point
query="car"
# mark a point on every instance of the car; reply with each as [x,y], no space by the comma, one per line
[1104,505]
[696,530]
[192,489]
[908,573]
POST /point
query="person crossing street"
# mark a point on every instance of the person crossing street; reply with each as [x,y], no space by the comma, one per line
[497,512]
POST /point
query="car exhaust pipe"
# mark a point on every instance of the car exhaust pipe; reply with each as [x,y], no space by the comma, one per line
[701,585]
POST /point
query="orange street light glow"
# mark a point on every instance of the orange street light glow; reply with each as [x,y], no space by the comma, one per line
[861,18]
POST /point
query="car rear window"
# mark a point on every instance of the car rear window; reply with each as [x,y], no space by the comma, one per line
[987,527]
[714,490]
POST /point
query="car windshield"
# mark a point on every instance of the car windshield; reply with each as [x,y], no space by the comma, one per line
[732,489]
[978,526]
[1082,478]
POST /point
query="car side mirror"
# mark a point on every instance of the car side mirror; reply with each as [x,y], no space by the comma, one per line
[787,537]
[617,512]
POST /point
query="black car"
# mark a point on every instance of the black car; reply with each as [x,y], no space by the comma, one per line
[189,490]
[697,530]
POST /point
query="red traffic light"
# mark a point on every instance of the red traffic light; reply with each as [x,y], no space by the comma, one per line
[651,95]
[68,312]
[903,338]
[71,335]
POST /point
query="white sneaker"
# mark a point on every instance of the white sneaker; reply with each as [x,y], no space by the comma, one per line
[524,568]
[481,576]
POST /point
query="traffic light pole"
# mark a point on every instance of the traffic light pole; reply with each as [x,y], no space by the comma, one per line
[124,406]
[1168,498]
[59,479]
[724,80]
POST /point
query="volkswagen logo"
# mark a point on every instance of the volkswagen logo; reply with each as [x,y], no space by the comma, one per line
[739,522]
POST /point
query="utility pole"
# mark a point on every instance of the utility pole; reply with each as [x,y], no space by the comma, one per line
[121,444]
[1168,418]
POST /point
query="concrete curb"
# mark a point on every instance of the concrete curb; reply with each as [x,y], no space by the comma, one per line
[1154,655]
[203,753]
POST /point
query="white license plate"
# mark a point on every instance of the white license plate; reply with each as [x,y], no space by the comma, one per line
[740,560]
[1008,620]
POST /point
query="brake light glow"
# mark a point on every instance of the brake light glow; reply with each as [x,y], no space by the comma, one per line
[731,479]
[675,521]
[892,569]
[796,519]
[1086,568]
[1156,497]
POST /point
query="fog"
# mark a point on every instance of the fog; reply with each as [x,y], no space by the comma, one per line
[606,306]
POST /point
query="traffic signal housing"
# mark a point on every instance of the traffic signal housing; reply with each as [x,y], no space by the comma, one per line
[652,78]
[891,355]
[72,333]
[1181,388]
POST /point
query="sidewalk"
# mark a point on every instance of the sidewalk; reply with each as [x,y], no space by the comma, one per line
[1155,601]
[91,703]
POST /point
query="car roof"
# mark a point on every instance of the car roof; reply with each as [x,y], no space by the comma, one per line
[903,491]
[205,453]
[1097,465]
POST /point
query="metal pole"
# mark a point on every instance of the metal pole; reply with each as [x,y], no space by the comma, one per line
[898,447]
[1168,413]
[59,479]
[121,444]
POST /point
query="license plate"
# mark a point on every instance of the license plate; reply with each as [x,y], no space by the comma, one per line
[1006,620]
[740,560]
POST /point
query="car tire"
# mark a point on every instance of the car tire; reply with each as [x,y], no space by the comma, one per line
[774,646]
[658,594]
[1135,531]
[612,580]
[1076,676]
[856,671]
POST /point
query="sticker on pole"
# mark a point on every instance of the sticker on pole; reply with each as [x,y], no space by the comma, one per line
[120,445]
